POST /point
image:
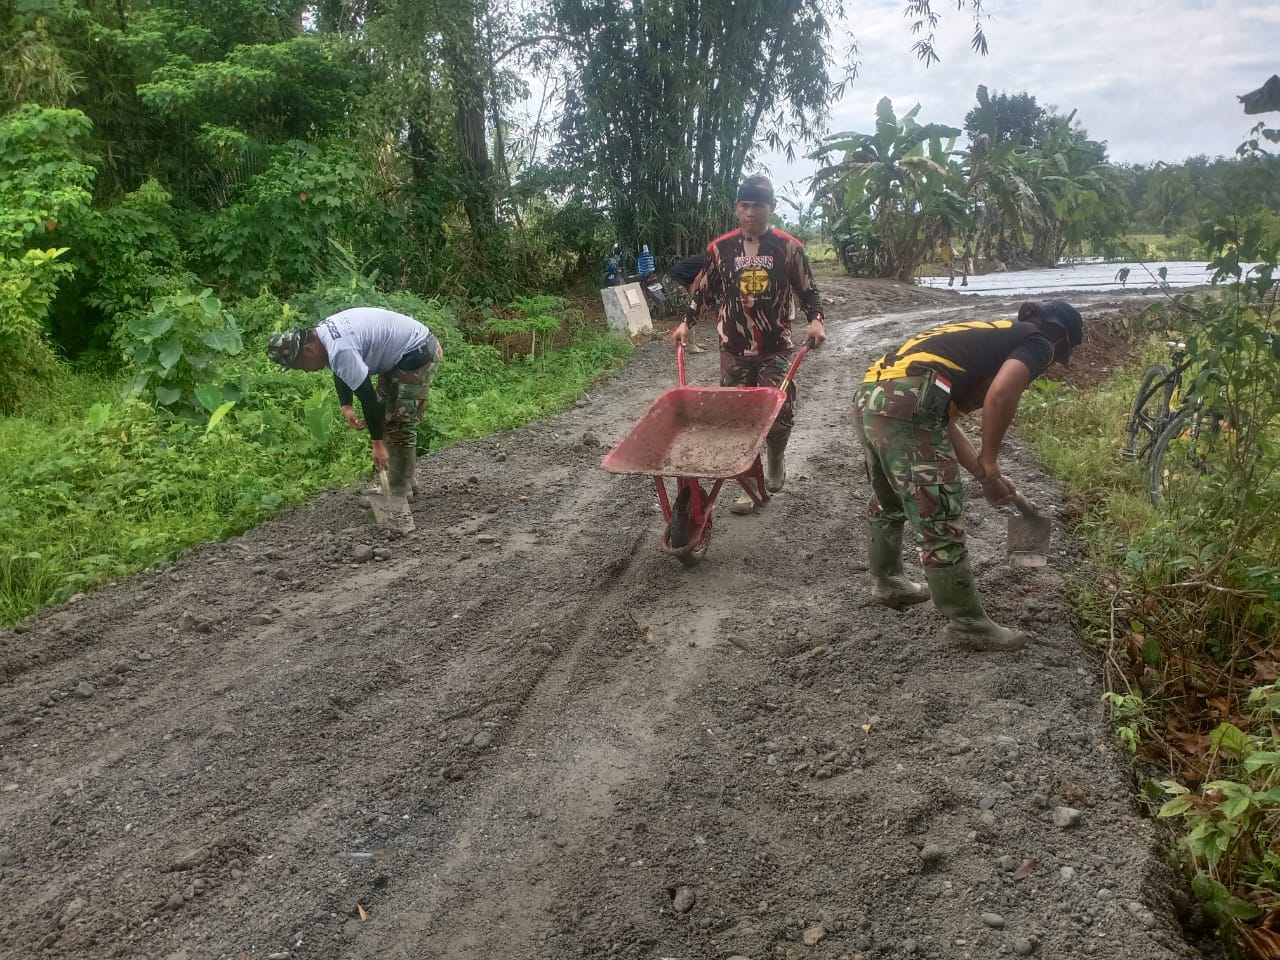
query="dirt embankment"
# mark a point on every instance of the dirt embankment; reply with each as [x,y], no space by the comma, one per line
[528,734]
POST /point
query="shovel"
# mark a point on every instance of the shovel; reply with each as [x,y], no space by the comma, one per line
[1028,536]
[389,510]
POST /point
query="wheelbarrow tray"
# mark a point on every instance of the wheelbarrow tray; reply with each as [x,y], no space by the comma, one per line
[712,432]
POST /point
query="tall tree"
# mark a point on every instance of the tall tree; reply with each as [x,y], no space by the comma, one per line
[668,102]
[899,180]
[1004,118]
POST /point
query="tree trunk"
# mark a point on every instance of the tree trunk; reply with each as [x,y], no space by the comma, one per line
[463,63]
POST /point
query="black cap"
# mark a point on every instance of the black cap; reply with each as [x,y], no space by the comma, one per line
[756,190]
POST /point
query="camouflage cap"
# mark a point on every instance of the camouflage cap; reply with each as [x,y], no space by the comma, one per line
[284,346]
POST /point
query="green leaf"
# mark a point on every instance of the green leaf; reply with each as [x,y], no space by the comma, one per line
[1175,807]
[170,353]
[1151,651]
[137,384]
[167,396]
[152,326]
[98,415]
[224,340]
[1262,758]
[218,415]
[1232,740]
[1219,904]
[210,397]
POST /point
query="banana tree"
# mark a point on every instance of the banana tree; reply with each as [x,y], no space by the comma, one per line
[1080,195]
[997,185]
[896,178]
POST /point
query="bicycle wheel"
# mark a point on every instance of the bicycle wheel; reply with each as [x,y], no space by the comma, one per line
[1150,414]
[1188,460]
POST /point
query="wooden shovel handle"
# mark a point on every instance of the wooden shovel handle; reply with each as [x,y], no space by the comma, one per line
[1025,506]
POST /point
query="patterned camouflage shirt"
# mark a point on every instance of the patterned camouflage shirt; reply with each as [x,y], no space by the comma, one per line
[752,294]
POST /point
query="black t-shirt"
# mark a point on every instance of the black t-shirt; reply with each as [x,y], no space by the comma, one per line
[969,354]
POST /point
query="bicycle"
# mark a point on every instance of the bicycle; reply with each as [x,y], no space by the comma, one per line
[1183,437]
[1154,404]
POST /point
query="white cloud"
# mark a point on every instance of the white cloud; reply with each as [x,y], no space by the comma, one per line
[1156,80]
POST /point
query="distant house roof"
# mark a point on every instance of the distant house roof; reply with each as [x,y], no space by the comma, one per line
[1264,99]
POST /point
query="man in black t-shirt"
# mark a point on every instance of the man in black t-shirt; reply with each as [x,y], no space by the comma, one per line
[906,419]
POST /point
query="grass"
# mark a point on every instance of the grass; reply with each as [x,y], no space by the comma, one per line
[1182,602]
[95,487]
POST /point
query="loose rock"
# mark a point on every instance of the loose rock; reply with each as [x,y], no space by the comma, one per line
[683,899]
[1023,947]
[188,859]
[85,690]
[362,553]
[814,935]
[1065,817]
[931,855]
[993,920]
[382,553]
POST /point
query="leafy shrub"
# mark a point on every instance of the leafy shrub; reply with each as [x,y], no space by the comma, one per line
[277,232]
[176,351]
[128,484]
[27,285]
[44,174]
[128,254]
[1233,821]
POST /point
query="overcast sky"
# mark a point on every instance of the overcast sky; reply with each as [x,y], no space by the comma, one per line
[1155,80]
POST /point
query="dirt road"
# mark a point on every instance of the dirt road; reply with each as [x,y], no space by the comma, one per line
[528,734]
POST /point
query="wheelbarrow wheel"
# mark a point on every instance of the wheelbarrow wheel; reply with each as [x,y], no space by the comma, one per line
[680,530]
[691,558]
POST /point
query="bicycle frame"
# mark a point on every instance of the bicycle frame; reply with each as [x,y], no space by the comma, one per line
[1163,385]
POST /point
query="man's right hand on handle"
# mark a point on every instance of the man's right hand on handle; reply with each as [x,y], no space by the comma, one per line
[996,490]
[680,335]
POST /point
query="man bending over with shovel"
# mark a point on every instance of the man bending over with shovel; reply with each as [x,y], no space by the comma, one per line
[905,415]
[749,279]
[357,344]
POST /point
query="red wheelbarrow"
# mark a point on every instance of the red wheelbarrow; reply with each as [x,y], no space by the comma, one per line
[692,434]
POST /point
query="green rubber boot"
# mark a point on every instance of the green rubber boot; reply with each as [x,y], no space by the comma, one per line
[775,470]
[955,595]
[401,463]
[884,559]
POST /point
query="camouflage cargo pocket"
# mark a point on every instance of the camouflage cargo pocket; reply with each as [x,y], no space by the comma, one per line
[939,492]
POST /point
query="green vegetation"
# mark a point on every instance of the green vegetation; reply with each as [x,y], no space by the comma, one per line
[96,486]
[1029,188]
[1184,598]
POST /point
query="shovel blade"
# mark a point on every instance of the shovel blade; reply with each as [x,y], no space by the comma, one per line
[1028,541]
[391,512]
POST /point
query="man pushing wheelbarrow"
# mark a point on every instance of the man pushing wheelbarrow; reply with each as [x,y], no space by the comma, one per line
[750,277]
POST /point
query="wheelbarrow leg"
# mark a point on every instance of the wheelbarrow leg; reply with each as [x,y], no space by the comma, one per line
[688,532]
[663,499]
[752,483]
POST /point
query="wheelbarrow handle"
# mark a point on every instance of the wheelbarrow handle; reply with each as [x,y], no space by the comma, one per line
[795,363]
[680,362]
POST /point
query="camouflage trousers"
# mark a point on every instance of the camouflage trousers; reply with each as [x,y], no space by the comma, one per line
[404,397]
[736,371]
[913,469]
